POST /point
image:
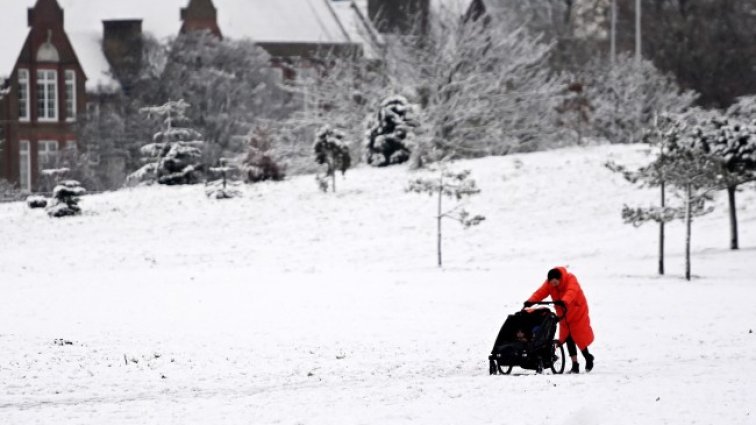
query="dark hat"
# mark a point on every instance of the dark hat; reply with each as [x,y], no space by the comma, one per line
[554,274]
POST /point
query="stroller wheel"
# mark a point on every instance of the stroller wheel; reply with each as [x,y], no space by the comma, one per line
[504,370]
[557,362]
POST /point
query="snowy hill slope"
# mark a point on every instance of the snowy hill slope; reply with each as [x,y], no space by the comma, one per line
[293,306]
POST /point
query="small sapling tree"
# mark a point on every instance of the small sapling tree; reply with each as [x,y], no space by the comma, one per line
[693,173]
[679,164]
[66,195]
[390,135]
[332,151]
[650,175]
[225,186]
[450,184]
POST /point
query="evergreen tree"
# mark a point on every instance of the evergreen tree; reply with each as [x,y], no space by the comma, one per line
[731,144]
[174,156]
[450,184]
[390,135]
[332,151]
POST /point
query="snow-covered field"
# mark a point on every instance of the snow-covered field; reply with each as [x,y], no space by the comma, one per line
[159,306]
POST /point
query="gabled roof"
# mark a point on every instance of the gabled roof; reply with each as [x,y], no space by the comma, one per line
[273,21]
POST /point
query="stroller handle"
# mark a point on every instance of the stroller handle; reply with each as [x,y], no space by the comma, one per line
[560,304]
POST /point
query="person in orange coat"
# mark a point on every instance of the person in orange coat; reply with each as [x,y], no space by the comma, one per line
[575,327]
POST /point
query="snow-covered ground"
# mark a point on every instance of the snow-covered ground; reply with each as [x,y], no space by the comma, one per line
[159,306]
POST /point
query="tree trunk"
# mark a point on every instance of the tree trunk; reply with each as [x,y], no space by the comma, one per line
[661,232]
[733,217]
[439,217]
[688,220]
[333,181]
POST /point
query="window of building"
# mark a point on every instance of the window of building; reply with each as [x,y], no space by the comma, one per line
[24,166]
[23,94]
[70,95]
[47,95]
[47,155]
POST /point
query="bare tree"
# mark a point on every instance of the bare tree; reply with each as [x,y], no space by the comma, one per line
[450,184]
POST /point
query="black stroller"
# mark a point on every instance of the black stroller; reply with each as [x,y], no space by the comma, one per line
[526,339]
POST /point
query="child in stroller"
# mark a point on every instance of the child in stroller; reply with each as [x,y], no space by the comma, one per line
[526,339]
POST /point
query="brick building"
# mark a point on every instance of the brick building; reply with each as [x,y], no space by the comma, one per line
[58,56]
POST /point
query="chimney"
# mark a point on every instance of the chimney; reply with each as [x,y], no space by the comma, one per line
[399,16]
[45,14]
[200,15]
[122,44]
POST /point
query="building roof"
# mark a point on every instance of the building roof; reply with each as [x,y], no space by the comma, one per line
[356,23]
[273,21]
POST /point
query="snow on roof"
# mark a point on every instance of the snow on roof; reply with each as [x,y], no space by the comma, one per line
[358,26]
[13,32]
[88,48]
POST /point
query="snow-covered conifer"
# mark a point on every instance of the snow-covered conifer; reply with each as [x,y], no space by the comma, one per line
[174,157]
[389,137]
[66,195]
[447,183]
[731,144]
[332,151]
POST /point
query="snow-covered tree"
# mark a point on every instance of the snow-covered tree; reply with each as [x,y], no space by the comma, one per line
[66,196]
[174,157]
[445,182]
[389,137]
[332,151]
[259,163]
[731,145]
[483,86]
[227,183]
[625,99]
[690,171]
[229,83]
[664,169]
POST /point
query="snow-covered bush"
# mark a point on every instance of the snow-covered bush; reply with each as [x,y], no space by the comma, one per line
[454,185]
[332,151]
[389,137]
[174,157]
[66,195]
[36,201]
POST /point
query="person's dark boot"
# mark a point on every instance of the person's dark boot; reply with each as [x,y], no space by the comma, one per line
[588,360]
[575,368]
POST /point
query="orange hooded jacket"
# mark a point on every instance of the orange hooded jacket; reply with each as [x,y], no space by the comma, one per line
[577,323]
